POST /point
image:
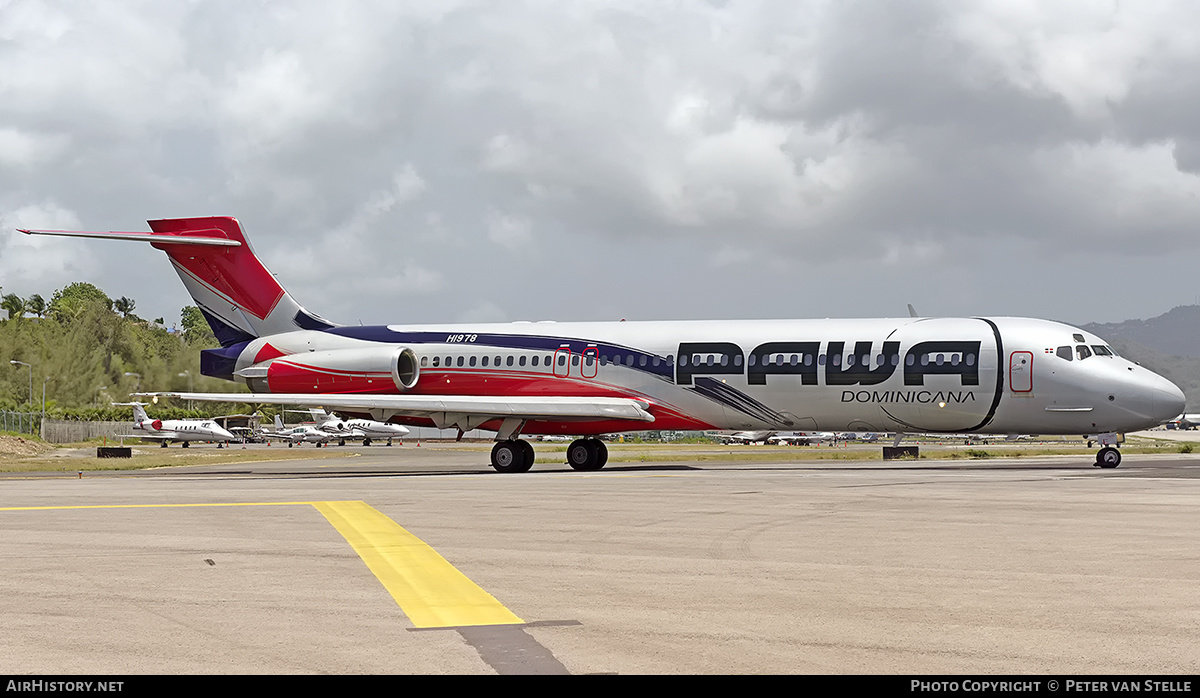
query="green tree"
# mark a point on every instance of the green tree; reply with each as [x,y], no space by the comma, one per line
[124,306]
[73,300]
[195,327]
[36,305]
[14,305]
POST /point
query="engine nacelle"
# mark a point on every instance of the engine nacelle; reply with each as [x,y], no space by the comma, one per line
[381,369]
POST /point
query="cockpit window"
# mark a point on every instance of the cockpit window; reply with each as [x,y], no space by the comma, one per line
[1102,350]
[1064,353]
[1078,338]
[1082,352]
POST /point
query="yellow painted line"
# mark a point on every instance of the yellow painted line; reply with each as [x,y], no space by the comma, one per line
[430,591]
[158,506]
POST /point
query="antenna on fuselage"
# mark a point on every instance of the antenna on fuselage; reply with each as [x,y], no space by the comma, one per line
[912,312]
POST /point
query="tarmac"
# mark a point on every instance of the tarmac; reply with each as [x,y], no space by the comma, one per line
[1040,565]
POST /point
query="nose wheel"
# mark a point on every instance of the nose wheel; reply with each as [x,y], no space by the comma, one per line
[1108,457]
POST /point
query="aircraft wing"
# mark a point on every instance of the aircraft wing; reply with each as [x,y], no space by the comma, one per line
[463,411]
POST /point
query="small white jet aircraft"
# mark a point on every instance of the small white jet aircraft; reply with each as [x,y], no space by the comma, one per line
[746,437]
[365,429]
[168,430]
[1185,421]
[301,433]
[1000,375]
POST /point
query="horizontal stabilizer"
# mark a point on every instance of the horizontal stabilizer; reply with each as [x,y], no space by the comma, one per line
[161,238]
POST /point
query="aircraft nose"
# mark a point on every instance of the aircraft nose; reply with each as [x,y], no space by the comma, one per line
[1169,400]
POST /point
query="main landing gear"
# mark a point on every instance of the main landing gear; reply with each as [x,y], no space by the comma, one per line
[512,456]
[516,456]
[587,454]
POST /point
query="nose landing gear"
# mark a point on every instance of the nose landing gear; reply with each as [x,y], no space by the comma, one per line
[1108,457]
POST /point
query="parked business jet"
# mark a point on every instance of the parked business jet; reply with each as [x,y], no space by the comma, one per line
[367,430]
[168,430]
[977,374]
[746,437]
[302,433]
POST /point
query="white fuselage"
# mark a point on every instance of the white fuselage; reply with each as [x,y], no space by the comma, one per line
[976,375]
[182,430]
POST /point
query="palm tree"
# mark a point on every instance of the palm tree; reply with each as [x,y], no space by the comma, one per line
[36,305]
[124,306]
[14,305]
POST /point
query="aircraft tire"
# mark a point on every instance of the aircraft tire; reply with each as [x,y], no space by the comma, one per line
[164,443]
[1108,457]
[584,456]
[601,453]
[366,442]
[512,456]
[185,444]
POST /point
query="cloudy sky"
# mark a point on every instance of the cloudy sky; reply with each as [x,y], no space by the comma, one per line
[524,160]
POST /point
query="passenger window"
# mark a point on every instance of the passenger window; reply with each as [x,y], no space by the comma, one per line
[485,361]
[436,361]
[642,360]
[472,361]
[629,360]
[460,361]
[424,361]
[510,360]
[1082,352]
[575,360]
[1064,353]
[521,361]
[533,361]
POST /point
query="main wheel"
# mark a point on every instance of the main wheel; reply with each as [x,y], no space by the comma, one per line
[1108,457]
[510,457]
[366,442]
[583,455]
[601,453]
[185,444]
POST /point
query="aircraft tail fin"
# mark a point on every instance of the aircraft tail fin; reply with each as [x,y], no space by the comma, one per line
[239,297]
[278,423]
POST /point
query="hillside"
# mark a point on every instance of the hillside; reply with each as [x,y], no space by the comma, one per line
[1168,344]
[1175,332]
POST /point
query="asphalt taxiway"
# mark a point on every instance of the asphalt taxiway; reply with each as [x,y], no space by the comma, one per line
[411,560]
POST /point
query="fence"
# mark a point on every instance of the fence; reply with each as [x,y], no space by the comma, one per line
[61,431]
[20,422]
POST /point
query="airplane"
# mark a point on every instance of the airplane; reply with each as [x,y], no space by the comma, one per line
[302,433]
[168,430]
[746,437]
[365,429]
[1184,421]
[902,375]
[800,438]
